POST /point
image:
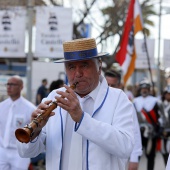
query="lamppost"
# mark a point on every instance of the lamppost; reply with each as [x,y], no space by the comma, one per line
[164,9]
[30,54]
[159,45]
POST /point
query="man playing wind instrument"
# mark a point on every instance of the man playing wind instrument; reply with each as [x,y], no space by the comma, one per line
[92,127]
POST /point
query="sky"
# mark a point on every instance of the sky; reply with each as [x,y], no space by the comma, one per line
[165,26]
[165,19]
[164,32]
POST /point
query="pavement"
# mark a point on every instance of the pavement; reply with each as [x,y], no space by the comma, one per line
[159,163]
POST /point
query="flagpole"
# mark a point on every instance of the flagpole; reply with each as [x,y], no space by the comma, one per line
[149,65]
[29,55]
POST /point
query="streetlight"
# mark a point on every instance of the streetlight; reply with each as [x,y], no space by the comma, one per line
[159,44]
[29,55]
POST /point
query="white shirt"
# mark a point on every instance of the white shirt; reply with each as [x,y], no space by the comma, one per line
[87,106]
[21,116]
[130,95]
[147,103]
[109,133]
[137,150]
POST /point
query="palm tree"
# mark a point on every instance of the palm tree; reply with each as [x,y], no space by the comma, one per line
[115,17]
[147,10]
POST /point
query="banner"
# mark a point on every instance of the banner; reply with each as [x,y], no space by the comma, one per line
[126,56]
[85,30]
[12,32]
[141,59]
[166,54]
[53,26]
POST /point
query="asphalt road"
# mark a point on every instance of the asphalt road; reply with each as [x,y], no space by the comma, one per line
[159,164]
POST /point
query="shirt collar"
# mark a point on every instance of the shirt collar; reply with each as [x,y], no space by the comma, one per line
[92,94]
[16,101]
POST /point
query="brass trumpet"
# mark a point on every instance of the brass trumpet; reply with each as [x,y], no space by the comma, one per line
[24,134]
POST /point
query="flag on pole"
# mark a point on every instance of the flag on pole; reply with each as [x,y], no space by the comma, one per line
[126,55]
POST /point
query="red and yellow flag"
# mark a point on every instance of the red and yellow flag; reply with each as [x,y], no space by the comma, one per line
[126,55]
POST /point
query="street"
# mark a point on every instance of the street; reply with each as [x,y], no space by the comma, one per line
[159,164]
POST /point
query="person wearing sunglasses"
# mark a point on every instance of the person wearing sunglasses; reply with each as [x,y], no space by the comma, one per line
[15,112]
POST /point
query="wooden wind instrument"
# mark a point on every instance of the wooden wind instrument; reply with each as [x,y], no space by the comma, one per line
[24,134]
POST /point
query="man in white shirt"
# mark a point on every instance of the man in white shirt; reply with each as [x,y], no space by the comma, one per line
[151,119]
[15,112]
[91,129]
[113,78]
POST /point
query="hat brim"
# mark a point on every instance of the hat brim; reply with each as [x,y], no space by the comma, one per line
[88,58]
[113,73]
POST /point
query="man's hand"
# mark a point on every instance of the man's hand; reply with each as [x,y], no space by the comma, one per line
[39,111]
[133,166]
[69,102]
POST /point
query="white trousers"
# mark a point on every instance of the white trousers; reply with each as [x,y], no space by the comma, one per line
[10,160]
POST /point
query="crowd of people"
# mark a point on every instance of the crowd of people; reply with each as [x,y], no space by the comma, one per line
[153,116]
[15,113]
[43,91]
[99,124]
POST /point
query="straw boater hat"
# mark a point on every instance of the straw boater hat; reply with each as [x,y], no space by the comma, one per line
[80,49]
